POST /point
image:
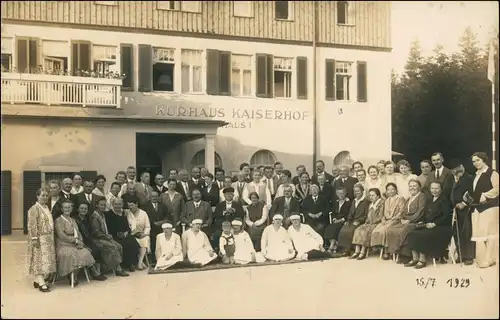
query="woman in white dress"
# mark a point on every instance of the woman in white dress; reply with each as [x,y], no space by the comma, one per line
[244,251]
[390,175]
[484,197]
[257,186]
[373,180]
[276,244]
[138,221]
[404,178]
[286,181]
[307,242]
[77,184]
[196,246]
[168,248]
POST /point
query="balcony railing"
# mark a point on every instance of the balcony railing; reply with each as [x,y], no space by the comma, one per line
[22,88]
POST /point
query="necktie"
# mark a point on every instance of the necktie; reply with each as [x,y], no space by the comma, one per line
[315,199]
[196,205]
[269,185]
[187,188]
[88,197]
[154,205]
[437,174]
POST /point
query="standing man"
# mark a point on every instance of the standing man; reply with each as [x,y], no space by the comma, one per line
[196,181]
[88,197]
[461,184]
[326,190]
[203,173]
[441,174]
[335,173]
[345,181]
[131,174]
[219,178]
[300,170]
[271,181]
[278,170]
[239,186]
[245,170]
[158,186]
[320,171]
[144,190]
[183,185]
[172,174]
[66,186]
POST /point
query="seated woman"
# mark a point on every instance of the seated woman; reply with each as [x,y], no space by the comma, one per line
[111,251]
[71,253]
[168,248]
[363,234]
[431,236]
[393,209]
[118,227]
[256,219]
[339,215]
[244,252]
[286,181]
[112,195]
[82,221]
[302,189]
[307,242]
[413,212]
[276,243]
[196,246]
[356,217]
[140,228]
[315,208]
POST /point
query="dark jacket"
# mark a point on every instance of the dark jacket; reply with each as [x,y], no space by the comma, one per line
[321,205]
[220,214]
[348,184]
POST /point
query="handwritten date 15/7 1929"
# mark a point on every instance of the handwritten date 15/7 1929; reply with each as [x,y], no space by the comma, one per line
[429,282]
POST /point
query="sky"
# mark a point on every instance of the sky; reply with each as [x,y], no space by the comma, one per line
[438,22]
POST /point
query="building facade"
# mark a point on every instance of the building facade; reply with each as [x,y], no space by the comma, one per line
[96,86]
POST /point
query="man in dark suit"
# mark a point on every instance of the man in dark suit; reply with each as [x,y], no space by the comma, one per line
[286,206]
[88,197]
[219,178]
[143,190]
[320,171]
[441,174]
[55,200]
[210,191]
[198,209]
[461,184]
[316,209]
[157,213]
[226,210]
[183,185]
[300,170]
[130,194]
[196,182]
[245,170]
[271,180]
[345,181]
[158,185]
[326,189]
[66,185]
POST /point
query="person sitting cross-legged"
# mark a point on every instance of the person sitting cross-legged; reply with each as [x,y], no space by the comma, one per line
[196,246]
[168,248]
[307,242]
[276,244]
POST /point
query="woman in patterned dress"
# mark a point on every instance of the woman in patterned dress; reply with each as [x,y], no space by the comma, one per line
[71,251]
[302,189]
[41,248]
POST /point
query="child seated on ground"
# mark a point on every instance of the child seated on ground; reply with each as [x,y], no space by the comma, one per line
[226,244]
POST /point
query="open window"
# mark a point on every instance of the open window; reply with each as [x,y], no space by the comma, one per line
[6,54]
[163,69]
[282,68]
[283,10]
[104,58]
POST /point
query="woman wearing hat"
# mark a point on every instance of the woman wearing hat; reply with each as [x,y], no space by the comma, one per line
[196,246]
[168,248]
[276,243]
[307,242]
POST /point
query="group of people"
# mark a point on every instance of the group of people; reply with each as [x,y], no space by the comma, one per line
[263,214]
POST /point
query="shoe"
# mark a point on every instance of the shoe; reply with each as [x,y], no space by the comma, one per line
[361,256]
[99,277]
[131,269]
[354,255]
[35,285]
[122,273]
[412,263]
[468,262]
[420,265]
[44,288]
[385,256]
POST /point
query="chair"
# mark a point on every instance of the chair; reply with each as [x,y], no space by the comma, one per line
[73,276]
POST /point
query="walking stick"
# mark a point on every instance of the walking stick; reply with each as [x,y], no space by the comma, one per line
[455,214]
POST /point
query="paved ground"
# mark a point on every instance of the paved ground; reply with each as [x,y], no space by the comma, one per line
[338,288]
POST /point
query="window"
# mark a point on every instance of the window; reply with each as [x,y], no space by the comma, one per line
[55,55]
[344,13]
[199,160]
[104,58]
[283,10]
[127,66]
[27,54]
[168,5]
[191,6]
[58,176]
[262,158]
[218,72]
[163,69]
[241,75]
[243,9]
[106,3]
[191,70]
[282,77]
[342,78]
[343,158]
[81,57]
[264,75]
[6,54]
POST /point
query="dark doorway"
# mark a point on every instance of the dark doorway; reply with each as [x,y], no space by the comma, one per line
[147,156]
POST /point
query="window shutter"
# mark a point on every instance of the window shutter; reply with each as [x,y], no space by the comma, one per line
[330,80]
[261,76]
[6,200]
[89,175]
[74,57]
[301,78]
[32,181]
[362,82]
[225,73]
[85,56]
[22,55]
[270,76]
[213,70]
[33,54]
[145,68]
[127,66]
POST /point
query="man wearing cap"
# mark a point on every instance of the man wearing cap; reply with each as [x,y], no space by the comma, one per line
[463,223]
[307,242]
[168,248]
[225,211]
[244,251]
[196,246]
[276,244]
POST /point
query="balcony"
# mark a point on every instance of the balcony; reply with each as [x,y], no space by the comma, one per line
[53,90]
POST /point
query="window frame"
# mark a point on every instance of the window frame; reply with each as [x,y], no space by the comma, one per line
[261,151]
[173,62]
[191,73]
[349,18]
[15,56]
[291,71]
[345,76]
[291,13]
[250,9]
[241,77]
[201,153]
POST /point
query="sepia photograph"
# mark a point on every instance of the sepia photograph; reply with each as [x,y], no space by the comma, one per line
[249,160]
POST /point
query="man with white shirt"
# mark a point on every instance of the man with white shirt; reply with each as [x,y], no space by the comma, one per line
[183,185]
[239,186]
[131,174]
[87,196]
[143,190]
[219,178]
[307,242]
[158,185]
[66,186]
[196,181]
[226,210]
[271,181]
[228,182]
[55,199]
[320,171]
[198,209]
[441,174]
